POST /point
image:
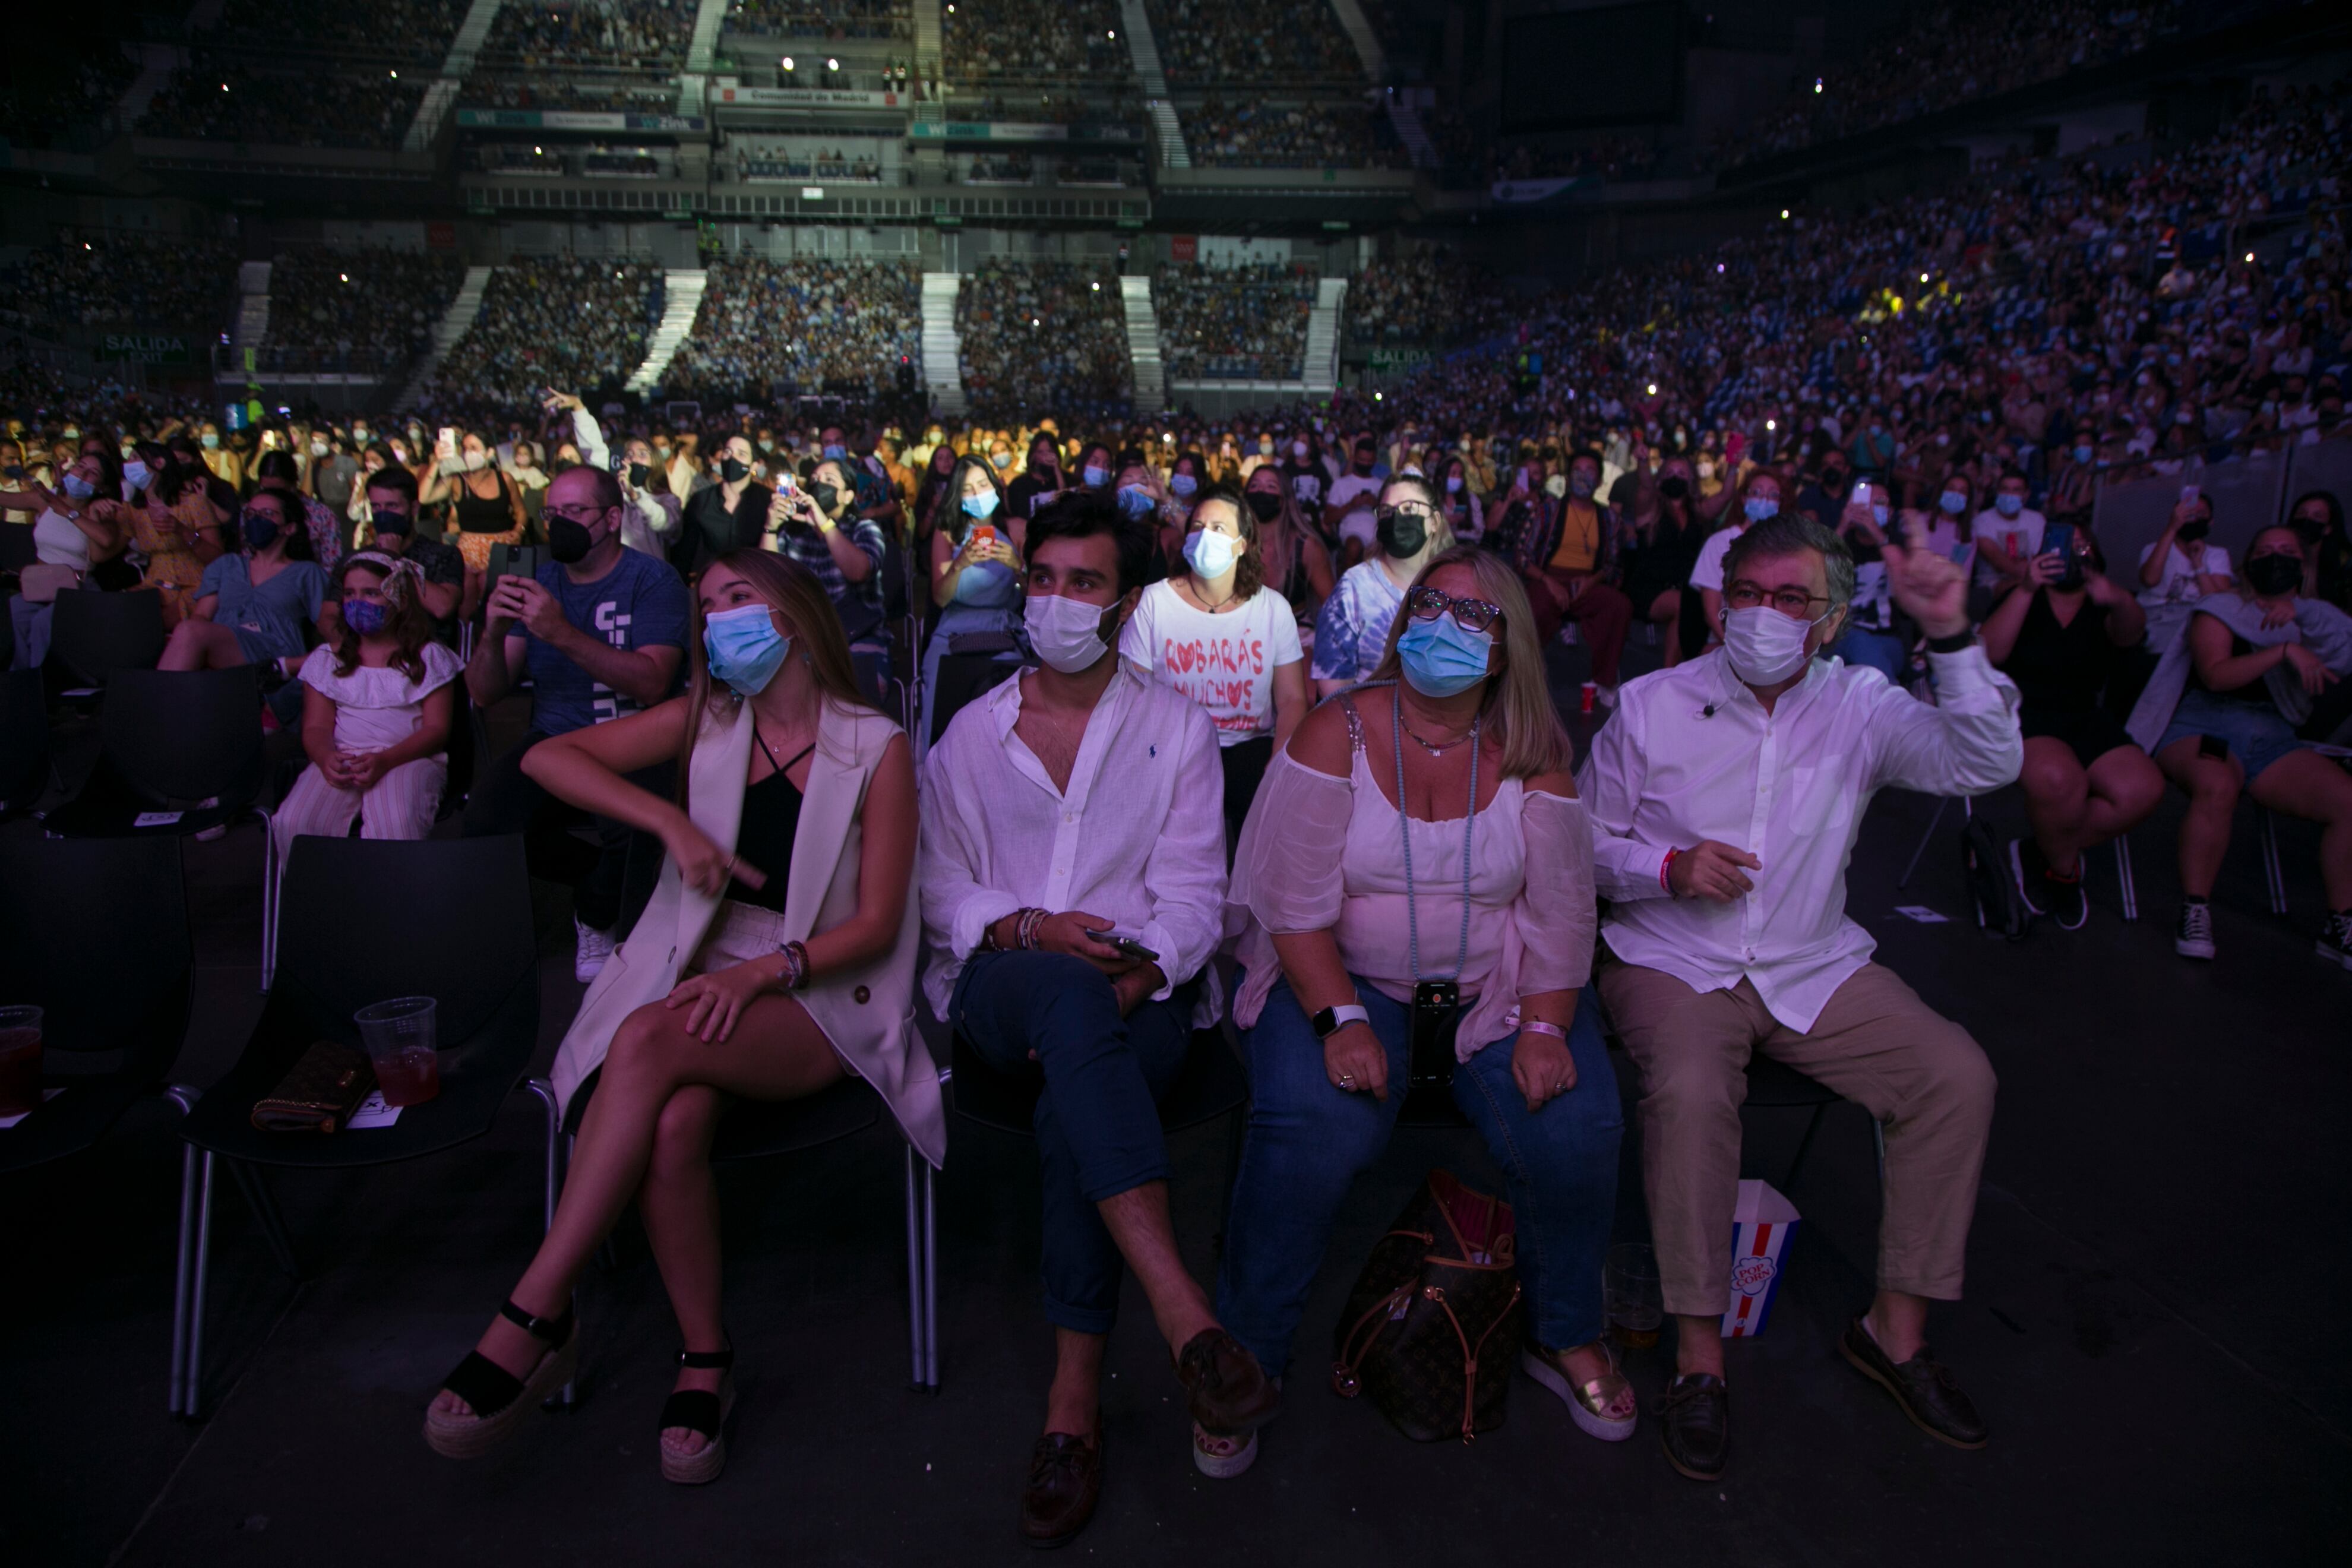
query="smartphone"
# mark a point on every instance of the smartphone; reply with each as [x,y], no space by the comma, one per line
[985,532]
[1429,1062]
[2060,537]
[1860,496]
[448,440]
[2189,493]
[1126,945]
[786,482]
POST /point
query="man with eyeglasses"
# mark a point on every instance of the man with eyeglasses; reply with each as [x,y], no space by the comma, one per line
[391,493]
[601,629]
[1724,794]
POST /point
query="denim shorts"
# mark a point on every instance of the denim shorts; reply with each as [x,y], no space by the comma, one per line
[2257,737]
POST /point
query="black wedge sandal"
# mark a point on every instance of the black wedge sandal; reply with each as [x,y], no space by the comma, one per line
[701,1412]
[496,1395]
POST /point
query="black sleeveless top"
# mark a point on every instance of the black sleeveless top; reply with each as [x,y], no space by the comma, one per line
[771,820]
[483,514]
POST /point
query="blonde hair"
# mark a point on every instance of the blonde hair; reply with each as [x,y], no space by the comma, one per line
[1518,705]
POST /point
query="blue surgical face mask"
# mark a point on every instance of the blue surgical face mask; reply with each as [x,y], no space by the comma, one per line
[2009,506]
[1210,553]
[1096,478]
[1953,501]
[136,474]
[744,647]
[1878,515]
[2081,453]
[1759,508]
[1136,502]
[366,616]
[1184,484]
[1453,484]
[835,450]
[981,505]
[1441,657]
[79,487]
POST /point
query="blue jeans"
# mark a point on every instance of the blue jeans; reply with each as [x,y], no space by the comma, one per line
[1098,1121]
[1307,1140]
[1881,651]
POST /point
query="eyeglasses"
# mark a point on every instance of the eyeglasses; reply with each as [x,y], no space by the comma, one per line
[587,517]
[1426,604]
[1417,509]
[1794,602]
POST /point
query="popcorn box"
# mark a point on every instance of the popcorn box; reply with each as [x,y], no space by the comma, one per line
[1763,1222]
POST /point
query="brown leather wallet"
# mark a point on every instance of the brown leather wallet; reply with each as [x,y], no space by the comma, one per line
[320,1094]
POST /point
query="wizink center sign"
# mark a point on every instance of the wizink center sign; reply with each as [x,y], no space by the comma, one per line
[144,347]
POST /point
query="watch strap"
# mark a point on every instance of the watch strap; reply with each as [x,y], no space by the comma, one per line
[1330,1020]
[1953,644]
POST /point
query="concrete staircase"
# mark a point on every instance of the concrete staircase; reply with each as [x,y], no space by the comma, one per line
[1359,33]
[1145,53]
[705,43]
[1321,369]
[1412,132]
[472,34]
[455,322]
[441,98]
[943,349]
[681,299]
[252,306]
[1143,345]
[156,63]
[431,111]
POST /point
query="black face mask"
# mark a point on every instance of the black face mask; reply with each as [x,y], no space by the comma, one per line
[1363,462]
[2195,529]
[1264,505]
[394,522]
[1674,487]
[261,530]
[2272,575]
[640,475]
[567,541]
[1833,481]
[733,471]
[1401,533]
[824,496]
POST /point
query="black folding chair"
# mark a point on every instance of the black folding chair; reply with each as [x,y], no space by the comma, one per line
[1776,1086]
[96,935]
[17,548]
[170,741]
[753,1130]
[963,677]
[25,771]
[93,634]
[341,952]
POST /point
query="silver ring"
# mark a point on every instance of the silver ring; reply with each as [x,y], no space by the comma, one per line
[1347,1080]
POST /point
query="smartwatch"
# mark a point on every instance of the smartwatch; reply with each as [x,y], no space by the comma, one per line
[1959,640]
[1330,1020]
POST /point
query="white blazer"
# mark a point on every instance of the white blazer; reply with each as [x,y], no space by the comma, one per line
[868,1013]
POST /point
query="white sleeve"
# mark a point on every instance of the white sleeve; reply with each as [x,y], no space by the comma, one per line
[590,436]
[1555,913]
[1284,642]
[1139,640]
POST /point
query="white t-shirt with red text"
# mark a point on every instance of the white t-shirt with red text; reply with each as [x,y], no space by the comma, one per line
[1225,662]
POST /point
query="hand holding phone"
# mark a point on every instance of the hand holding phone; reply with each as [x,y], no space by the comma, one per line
[1126,945]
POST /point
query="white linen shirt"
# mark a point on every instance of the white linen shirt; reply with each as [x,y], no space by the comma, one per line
[1139,838]
[1790,788]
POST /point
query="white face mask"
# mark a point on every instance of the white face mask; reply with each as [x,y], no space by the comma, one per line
[1765,646]
[1211,554]
[1066,633]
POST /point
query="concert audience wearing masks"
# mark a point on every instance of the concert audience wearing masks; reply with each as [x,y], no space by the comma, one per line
[1565,543]
[253,605]
[818,526]
[79,526]
[1071,826]
[975,559]
[1760,758]
[1351,629]
[779,957]
[1352,886]
[2229,712]
[601,629]
[441,584]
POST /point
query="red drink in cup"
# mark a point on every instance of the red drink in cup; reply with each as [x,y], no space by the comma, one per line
[400,1038]
[20,1060]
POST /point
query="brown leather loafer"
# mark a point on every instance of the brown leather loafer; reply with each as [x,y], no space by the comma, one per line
[1695,1424]
[1064,1484]
[1231,1393]
[1923,1386]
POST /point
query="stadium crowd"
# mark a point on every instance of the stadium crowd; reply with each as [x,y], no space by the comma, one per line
[1260,135]
[50,111]
[217,99]
[804,323]
[1245,323]
[636,35]
[1430,297]
[485,91]
[1076,38]
[417,31]
[544,321]
[110,277]
[370,307]
[828,19]
[1043,333]
[1272,42]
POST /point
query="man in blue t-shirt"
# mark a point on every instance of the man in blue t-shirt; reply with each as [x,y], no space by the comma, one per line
[602,631]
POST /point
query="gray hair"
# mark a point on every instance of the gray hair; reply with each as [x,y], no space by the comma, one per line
[1792,533]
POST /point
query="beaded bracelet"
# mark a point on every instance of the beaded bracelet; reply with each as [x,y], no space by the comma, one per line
[1665,872]
[796,955]
[1030,921]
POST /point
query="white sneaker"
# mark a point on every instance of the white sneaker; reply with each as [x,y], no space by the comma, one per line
[2194,939]
[590,952]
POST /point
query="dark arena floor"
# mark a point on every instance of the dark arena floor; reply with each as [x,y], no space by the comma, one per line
[2163,1198]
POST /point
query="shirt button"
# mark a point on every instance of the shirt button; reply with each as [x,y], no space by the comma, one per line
[862,994]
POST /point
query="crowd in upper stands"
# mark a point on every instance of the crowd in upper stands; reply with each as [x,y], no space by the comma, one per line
[372,309]
[549,321]
[807,322]
[1259,135]
[43,112]
[781,161]
[482,91]
[1232,322]
[224,101]
[1039,332]
[1426,297]
[107,277]
[1268,42]
[1032,39]
[414,30]
[633,34]
[823,18]
[1611,157]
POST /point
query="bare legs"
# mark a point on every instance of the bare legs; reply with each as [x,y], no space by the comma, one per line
[648,1135]
[1666,611]
[2072,808]
[201,644]
[2212,785]
[1138,1220]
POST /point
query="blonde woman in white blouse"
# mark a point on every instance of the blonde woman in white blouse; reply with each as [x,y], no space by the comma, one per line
[1443,783]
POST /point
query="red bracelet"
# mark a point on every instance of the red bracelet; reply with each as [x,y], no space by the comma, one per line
[1665,872]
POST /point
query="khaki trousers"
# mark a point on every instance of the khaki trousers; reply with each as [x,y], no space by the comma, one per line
[1875,1044]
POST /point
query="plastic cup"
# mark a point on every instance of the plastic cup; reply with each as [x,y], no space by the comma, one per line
[401,1037]
[1631,1292]
[20,1060]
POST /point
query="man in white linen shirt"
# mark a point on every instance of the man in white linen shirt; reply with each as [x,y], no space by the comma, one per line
[1073,885]
[1725,795]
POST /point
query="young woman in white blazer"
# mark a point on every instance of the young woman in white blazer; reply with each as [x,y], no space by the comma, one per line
[777,954]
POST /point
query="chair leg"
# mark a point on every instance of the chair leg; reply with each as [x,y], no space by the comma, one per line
[183,1278]
[1878,1144]
[267,1215]
[2270,867]
[930,1179]
[192,1378]
[915,1266]
[1804,1147]
[1933,823]
[268,904]
[545,1090]
[2124,876]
